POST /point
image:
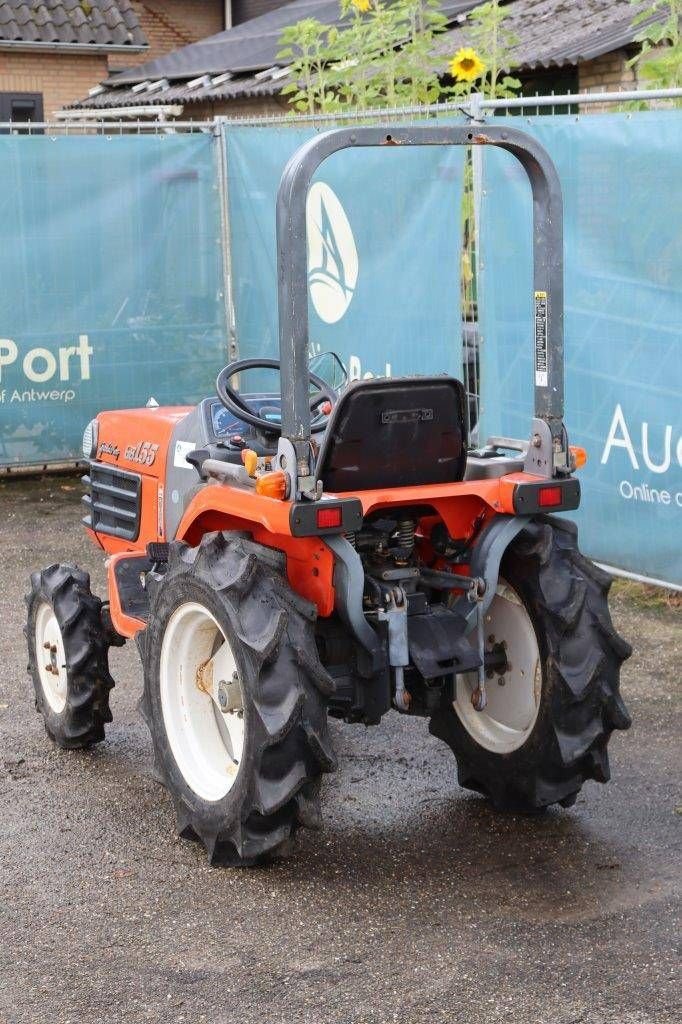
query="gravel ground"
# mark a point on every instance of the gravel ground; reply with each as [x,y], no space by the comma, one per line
[416,903]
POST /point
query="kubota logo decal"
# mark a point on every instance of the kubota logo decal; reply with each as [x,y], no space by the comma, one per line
[332,255]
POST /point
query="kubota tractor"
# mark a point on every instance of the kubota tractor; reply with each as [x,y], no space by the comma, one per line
[284,557]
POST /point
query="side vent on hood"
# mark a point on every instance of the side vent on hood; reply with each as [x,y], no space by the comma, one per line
[113,501]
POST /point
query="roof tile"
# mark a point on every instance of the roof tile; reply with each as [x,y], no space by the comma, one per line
[249,46]
[556,32]
[98,23]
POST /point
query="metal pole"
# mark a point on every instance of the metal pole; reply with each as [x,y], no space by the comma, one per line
[220,136]
[478,267]
[582,98]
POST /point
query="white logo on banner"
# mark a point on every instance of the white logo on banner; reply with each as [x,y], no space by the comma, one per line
[620,436]
[332,255]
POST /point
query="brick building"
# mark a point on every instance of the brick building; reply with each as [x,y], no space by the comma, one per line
[52,52]
[201,58]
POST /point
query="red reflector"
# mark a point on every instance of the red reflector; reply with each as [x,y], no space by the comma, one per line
[328,518]
[548,497]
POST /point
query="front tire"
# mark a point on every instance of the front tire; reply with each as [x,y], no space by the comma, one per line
[68,656]
[246,774]
[538,749]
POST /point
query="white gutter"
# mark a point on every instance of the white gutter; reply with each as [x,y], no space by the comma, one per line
[228,14]
[20,44]
[118,113]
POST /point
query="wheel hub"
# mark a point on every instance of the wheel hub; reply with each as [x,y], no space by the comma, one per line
[202,701]
[506,721]
[51,658]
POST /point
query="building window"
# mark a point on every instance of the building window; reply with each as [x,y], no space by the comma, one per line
[20,108]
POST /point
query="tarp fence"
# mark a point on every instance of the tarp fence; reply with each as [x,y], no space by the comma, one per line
[127,261]
[620,176]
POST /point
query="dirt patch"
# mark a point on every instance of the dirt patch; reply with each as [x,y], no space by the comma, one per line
[415,903]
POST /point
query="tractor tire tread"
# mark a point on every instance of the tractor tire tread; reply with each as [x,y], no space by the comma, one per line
[567,598]
[291,742]
[79,614]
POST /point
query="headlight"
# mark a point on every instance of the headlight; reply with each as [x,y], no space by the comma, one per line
[90,440]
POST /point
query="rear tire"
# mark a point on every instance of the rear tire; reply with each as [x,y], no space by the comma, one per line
[68,656]
[246,799]
[578,703]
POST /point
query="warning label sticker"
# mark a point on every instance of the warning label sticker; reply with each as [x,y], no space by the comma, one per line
[183,448]
[541,339]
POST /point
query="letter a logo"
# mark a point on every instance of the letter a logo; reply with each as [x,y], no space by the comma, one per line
[332,255]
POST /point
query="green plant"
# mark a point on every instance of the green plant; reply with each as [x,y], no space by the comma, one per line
[493,42]
[661,39]
[418,80]
[381,55]
[310,47]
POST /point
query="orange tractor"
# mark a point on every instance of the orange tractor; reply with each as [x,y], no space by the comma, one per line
[284,556]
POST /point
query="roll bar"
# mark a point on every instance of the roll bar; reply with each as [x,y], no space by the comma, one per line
[292,261]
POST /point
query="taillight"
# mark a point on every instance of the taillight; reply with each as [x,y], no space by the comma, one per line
[554,496]
[319,518]
[550,497]
[328,518]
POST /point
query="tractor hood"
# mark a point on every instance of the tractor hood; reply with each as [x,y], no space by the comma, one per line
[137,439]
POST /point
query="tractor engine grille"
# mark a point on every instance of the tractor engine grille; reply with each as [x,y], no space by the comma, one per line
[113,501]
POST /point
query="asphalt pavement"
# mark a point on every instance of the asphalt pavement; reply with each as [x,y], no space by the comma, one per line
[415,903]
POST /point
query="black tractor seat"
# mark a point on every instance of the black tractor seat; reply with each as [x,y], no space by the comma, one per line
[395,432]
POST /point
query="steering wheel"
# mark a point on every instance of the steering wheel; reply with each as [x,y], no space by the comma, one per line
[238,407]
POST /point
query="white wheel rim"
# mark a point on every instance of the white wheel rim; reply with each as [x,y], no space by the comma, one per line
[50,658]
[512,709]
[207,743]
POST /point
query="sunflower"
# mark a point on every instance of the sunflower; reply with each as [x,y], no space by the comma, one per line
[361,5]
[466,65]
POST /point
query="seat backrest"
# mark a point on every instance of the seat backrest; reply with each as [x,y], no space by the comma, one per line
[395,432]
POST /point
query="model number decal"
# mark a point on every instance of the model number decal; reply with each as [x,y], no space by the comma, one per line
[541,340]
[144,452]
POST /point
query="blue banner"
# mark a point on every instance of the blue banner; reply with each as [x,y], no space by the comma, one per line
[620,175]
[384,236]
[110,282]
[111,290]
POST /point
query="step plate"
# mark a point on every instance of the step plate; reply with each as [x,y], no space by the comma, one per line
[130,574]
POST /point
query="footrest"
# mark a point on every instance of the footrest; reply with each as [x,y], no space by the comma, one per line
[130,574]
